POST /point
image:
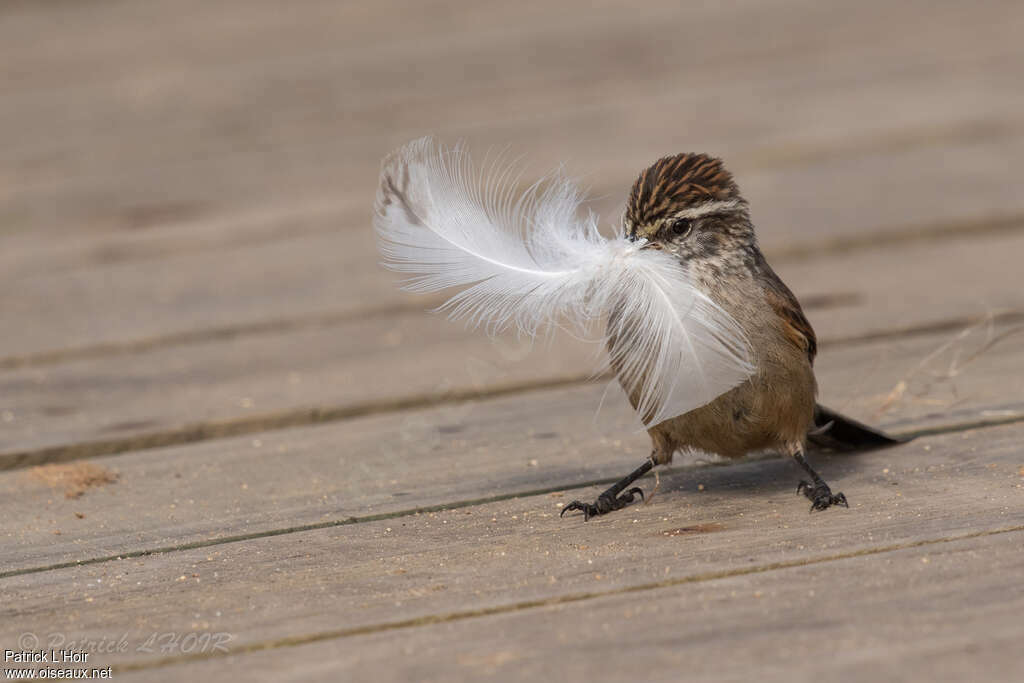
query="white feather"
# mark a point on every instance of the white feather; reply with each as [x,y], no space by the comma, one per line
[530,261]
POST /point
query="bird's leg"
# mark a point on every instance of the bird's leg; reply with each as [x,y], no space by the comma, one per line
[817,492]
[610,499]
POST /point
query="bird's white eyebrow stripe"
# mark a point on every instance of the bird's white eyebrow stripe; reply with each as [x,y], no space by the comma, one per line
[707,208]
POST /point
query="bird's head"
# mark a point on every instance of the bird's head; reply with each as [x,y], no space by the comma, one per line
[690,206]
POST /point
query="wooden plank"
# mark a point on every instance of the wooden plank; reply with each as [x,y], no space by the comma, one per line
[142,133]
[778,141]
[253,380]
[395,462]
[948,612]
[169,294]
[214,187]
[331,584]
[906,286]
[341,47]
[153,132]
[758,159]
[102,300]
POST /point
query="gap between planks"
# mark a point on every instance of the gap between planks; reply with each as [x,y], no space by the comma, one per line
[557,600]
[905,434]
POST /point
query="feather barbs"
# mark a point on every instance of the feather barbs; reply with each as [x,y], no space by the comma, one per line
[529,260]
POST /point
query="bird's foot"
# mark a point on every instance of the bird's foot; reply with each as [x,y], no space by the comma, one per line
[604,503]
[821,496]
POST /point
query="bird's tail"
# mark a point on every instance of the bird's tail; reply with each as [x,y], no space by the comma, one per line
[837,432]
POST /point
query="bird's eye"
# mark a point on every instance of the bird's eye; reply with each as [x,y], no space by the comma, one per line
[682,226]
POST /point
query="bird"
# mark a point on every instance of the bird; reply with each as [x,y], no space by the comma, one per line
[689,206]
[712,349]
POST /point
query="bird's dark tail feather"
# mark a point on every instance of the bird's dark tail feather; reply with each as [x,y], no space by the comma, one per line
[836,432]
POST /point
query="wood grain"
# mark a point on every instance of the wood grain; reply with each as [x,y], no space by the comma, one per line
[112,133]
[334,366]
[333,584]
[156,177]
[189,284]
[298,456]
[390,463]
[943,612]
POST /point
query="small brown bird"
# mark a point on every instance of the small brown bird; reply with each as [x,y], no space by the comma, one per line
[689,206]
[711,347]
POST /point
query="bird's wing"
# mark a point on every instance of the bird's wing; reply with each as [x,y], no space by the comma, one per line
[528,260]
[794,323]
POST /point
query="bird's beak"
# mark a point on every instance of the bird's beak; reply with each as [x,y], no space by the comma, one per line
[652,245]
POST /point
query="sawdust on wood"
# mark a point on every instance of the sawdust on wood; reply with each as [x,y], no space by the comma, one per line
[75,478]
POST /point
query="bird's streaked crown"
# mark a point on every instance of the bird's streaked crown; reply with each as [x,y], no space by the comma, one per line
[680,186]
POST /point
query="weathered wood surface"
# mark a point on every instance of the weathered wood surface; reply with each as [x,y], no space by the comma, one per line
[394,462]
[185,258]
[699,525]
[191,285]
[915,613]
[137,267]
[113,122]
[289,374]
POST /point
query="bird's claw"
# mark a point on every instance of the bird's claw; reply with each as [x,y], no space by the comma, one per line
[821,496]
[604,503]
[587,508]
